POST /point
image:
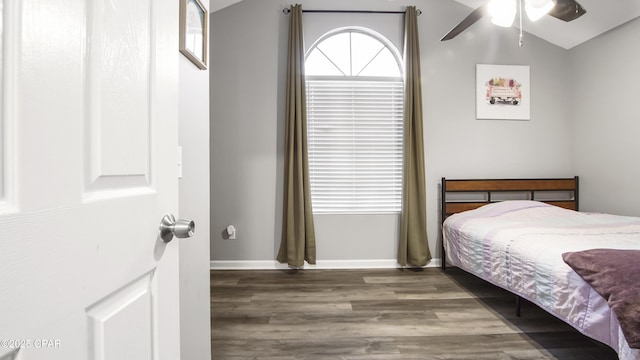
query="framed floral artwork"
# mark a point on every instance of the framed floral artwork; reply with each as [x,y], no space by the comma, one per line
[503,92]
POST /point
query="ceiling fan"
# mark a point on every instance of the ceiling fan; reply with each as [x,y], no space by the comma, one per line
[503,12]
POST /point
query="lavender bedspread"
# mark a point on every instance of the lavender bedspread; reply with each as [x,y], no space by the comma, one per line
[518,245]
[614,274]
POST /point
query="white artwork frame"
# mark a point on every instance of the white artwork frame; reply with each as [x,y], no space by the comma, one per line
[503,92]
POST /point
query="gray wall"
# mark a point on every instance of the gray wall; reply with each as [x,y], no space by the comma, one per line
[605,84]
[249,41]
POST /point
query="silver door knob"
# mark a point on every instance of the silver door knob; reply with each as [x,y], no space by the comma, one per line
[182,228]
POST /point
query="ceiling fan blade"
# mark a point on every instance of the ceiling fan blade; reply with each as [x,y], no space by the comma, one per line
[471,19]
[567,10]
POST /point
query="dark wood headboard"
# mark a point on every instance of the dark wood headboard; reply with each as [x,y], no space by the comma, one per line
[459,195]
[466,194]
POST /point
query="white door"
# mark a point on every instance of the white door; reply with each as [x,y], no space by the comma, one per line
[88,169]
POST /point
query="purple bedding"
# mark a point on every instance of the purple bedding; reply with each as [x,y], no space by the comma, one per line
[614,274]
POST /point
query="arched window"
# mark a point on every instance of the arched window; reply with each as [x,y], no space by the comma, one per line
[355,116]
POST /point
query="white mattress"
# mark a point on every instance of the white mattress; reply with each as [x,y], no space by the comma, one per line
[517,245]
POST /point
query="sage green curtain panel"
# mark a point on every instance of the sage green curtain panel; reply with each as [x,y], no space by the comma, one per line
[298,237]
[413,248]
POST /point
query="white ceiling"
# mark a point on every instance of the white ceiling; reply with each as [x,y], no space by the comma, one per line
[601,16]
[220,4]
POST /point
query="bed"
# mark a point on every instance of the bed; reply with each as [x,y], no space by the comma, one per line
[513,233]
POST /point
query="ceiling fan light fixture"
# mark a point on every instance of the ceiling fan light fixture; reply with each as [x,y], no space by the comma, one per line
[502,12]
[536,9]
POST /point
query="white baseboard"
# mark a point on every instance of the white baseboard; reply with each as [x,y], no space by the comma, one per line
[321,264]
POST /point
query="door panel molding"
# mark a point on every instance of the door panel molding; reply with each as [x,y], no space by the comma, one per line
[119,321]
[9,46]
[118,116]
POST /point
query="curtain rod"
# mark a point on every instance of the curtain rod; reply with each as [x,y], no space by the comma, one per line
[287,11]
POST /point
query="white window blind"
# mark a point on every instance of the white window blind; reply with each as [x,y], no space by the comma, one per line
[355,144]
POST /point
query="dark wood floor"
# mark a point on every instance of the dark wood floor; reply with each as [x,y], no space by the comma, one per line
[381,314]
